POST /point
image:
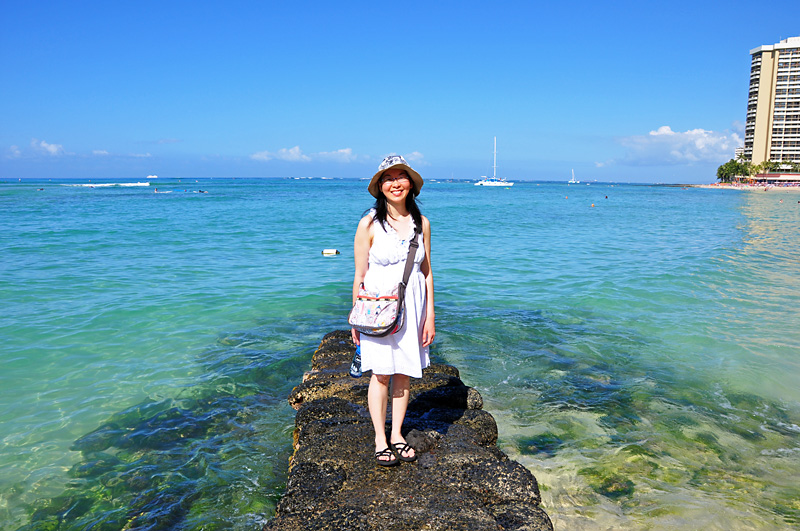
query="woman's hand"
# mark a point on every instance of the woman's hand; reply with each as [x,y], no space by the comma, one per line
[428,331]
[356,336]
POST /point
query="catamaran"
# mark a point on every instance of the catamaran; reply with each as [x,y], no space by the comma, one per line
[494,180]
[573,181]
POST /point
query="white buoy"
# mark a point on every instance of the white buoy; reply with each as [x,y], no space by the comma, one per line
[330,252]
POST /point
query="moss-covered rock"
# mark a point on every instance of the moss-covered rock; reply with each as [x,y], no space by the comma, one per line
[460,481]
[609,485]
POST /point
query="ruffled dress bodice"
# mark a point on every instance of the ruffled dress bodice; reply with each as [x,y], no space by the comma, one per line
[399,353]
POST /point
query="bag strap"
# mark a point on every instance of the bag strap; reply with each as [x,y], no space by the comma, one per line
[413,244]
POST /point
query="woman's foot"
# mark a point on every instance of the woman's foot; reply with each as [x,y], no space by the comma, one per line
[386,457]
[404,451]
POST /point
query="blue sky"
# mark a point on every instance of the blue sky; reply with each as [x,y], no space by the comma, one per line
[629,91]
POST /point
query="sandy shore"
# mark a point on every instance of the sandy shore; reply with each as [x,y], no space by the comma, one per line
[747,187]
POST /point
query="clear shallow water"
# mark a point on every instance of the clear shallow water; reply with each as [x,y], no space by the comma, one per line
[640,356]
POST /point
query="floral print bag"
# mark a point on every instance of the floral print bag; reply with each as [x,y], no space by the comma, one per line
[381,314]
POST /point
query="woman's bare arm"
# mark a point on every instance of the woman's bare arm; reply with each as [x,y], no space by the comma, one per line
[428,327]
[361,245]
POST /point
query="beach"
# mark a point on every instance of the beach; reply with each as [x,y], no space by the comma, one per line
[636,345]
[748,187]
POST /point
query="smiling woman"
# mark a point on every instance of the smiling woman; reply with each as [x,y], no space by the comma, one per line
[382,247]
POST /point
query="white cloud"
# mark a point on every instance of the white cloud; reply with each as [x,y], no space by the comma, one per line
[294,154]
[44,147]
[99,152]
[344,156]
[14,152]
[663,130]
[340,155]
[415,157]
[141,155]
[667,147]
[168,141]
[261,155]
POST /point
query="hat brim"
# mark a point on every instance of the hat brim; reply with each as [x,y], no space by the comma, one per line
[375,187]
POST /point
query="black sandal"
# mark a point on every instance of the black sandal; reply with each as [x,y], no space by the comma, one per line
[400,448]
[386,452]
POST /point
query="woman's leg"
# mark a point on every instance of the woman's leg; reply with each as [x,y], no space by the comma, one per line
[377,398]
[400,393]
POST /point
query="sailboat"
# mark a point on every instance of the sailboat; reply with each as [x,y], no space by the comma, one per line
[494,180]
[573,181]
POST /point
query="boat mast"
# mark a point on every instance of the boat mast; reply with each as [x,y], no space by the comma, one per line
[494,165]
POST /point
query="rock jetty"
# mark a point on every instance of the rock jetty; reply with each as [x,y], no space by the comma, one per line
[460,481]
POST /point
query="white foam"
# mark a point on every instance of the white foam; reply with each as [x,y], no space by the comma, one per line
[105,185]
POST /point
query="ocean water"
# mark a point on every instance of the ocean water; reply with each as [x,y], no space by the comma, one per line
[639,346]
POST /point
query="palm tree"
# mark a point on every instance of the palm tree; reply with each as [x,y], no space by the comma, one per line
[755,169]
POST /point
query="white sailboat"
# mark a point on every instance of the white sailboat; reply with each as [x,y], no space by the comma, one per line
[494,180]
[573,181]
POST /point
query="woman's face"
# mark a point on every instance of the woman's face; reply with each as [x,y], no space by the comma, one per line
[395,184]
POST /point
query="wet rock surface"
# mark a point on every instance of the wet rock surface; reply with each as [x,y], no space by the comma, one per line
[460,481]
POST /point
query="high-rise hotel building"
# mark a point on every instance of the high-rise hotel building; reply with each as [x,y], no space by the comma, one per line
[772,130]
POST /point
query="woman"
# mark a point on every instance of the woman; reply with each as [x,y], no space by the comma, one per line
[381,248]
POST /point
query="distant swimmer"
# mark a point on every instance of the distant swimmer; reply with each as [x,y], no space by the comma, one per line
[40,189]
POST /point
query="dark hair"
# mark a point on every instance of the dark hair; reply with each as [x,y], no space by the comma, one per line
[382,211]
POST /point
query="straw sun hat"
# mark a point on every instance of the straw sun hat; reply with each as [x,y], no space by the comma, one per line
[394,161]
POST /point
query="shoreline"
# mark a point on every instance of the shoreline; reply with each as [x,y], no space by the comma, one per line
[746,187]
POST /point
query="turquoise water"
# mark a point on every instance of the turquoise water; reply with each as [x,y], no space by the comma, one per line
[640,356]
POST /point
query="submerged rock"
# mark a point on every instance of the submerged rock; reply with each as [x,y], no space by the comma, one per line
[460,481]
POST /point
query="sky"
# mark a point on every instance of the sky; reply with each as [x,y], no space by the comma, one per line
[623,92]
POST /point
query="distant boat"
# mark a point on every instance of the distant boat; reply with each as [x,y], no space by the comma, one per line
[573,181]
[152,176]
[494,180]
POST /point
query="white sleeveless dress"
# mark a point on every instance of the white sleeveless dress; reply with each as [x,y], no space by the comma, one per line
[399,353]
